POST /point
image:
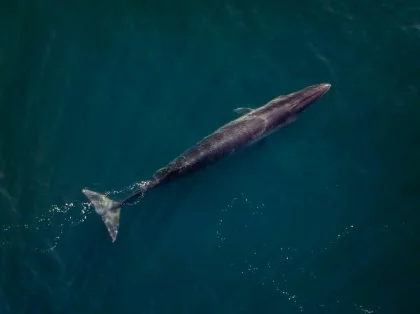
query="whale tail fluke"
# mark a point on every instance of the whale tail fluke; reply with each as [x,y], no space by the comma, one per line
[108,209]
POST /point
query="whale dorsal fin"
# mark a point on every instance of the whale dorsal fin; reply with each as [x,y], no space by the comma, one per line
[243,111]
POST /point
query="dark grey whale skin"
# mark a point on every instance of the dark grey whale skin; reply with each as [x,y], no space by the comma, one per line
[247,129]
[250,127]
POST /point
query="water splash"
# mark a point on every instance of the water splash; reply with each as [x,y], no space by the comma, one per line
[131,188]
[135,187]
[268,274]
[53,223]
[256,210]
[271,273]
[363,310]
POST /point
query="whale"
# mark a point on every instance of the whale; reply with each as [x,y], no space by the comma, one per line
[250,126]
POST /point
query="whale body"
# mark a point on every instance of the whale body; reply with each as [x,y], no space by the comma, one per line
[252,125]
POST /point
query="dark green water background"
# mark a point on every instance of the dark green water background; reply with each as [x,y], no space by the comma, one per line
[321,218]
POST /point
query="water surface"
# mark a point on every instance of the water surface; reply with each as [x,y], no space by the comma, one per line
[321,218]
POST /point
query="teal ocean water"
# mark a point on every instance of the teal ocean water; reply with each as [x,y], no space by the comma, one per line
[323,217]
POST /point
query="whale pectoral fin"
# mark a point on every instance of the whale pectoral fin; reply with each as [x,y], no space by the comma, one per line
[243,111]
